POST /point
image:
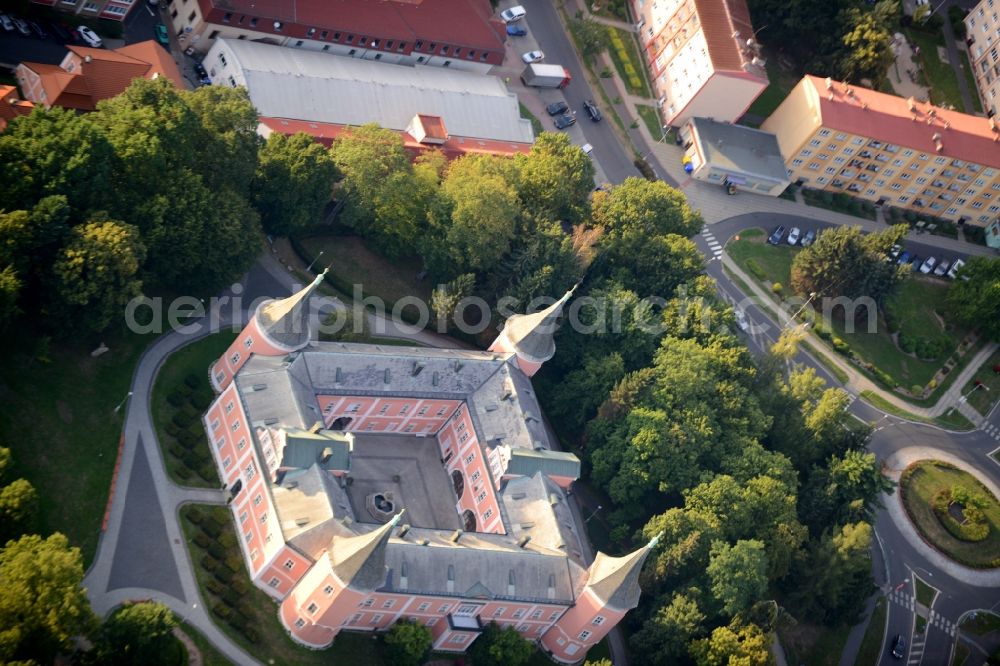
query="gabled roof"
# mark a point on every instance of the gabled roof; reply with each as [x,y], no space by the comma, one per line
[359,561]
[10,106]
[720,20]
[526,462]
[615,580]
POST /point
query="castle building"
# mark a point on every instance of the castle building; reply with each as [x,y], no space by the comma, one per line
[370,484]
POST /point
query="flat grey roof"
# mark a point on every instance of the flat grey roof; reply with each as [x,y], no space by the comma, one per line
[739,149]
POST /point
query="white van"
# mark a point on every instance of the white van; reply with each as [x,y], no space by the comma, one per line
[90,37]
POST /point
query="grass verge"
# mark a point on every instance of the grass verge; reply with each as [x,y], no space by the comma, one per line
[983,399]
[815,645]
[919,484]
[925,593]
[780,84]
[984,623]
[961,654]
[210,656]
[625,54]
[970,82]
[949,421]
[59,421]
[181,393]
[871,644]
[940,75]
[536,124]
[651,118]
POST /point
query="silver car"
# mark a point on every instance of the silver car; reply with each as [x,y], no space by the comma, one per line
[5,21]
[793,236]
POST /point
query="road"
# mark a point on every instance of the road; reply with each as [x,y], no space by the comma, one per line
[547,31]
[896,442]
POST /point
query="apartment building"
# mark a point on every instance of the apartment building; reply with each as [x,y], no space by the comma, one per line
[112,10]
[371,484]
[890,150]
[982,26]
[702,57]
[462,34]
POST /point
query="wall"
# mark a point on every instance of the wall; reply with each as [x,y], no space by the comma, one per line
[462,452]
[795,120]
[723,97]
[580,628]
[395,415]
[251,340]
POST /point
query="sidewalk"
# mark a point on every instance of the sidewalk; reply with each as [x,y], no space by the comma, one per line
[858,382]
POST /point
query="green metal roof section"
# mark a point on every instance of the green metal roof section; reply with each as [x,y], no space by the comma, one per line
[330,449]
[526,462]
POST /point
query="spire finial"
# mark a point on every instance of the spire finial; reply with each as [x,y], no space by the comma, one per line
[395,519]
[655,540]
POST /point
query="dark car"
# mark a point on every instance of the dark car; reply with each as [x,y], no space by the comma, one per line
[73,34]
[199,69]
[38,29]
[557,108]
[903,258]
[565,120]
[21,25]
[899,646]
[776,236]
[592,110]
[61,33]
[515,30]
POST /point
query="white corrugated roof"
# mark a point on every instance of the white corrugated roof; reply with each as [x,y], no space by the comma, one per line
[322,87]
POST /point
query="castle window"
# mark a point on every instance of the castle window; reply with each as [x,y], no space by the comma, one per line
[584,635]
[300,623]
[598,620]
[312,608]
[273,582]
[328,589]
[289,564]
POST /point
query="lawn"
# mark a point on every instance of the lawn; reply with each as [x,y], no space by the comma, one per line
[767,263]
[536,124]
[970,82]
[871,644]
[940,75]
[961,654]
[920,482]
[191,360]
[780,83]
[631,68]
[352,263]
[814,644]
[983,623]
[983,399]
[650,116]
[925,593]
[59,422]
[951,419]
[210,656]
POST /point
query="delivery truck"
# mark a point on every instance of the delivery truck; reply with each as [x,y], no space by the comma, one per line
[545,76]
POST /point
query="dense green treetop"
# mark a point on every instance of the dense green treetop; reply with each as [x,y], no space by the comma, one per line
[975,298]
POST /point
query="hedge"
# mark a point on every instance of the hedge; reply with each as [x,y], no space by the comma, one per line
[976,529]
[755,268]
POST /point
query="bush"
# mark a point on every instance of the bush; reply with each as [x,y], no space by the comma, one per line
[189,410]
[176,398]
[215,587]
[755,269]
[209,563]
[194,381]
[207,473]
[250,633]
[823,332]
[840,346]
[644,168]
[975,528]
[905,343]
[201,401]
[195,515]
[187,440]
[229,596]
[181,420]
[606,73]
[211,527]
[235,563]
[184,390]
[221,611]
[172,428]
[777,288]
[216,550]
[183,473]
[190,458]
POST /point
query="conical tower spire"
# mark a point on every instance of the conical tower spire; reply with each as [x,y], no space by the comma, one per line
[286,321]
[531,335]
[359,561]
[615,580]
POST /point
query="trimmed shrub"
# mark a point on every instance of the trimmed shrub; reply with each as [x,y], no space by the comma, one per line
[777,288]
[195,515]
[201,401]
[214,586]
[840,346]
[184,390]
[211,527]
[182,420]
[221,611]
[207,473]
[755,269]
[176,450]
[224,576]
[176,398]
[172,428]
[209,563]
[187,440]
[906,343]
[975,528]
[216,550]
[235,563]
[194,381]
[250,633]
[190,459]
[228,540]
[183,473]
[189,410]
[202,540]
[229,596]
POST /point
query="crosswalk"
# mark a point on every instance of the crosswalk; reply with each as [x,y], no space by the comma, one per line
[991,430]
[713,244]
[905,599]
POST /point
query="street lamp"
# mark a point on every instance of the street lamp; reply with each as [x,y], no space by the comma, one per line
[978,385]
[309,267]
[122,403]
[599,507]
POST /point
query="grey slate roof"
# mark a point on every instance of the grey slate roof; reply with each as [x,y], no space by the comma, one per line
[304,449]
[554,463]
[310,507]
[359,561]
[537,508]
[739,149]
[615,580]
[533,334]
[322,87]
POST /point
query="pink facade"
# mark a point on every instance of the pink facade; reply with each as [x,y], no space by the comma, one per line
[503,345]
[582,627]
[252,340]
[381,415]
[462,454]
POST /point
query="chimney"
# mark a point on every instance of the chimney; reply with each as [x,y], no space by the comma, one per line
[864,105]
[316,427]
[417,367]
[524,541]
[829,83]
[456,535]
[87,58]
[402,531]
[326,455]
[912,103]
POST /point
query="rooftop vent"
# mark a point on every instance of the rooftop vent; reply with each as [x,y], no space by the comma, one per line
[302,522]
[435,379]
[829,83]
[316,427]
[338,376]
[511,589]
[259,387]
[417,368]
[911,103]
[270,421]
[403,530]
[527,526]
[455,536]
[518,496]
[388,376]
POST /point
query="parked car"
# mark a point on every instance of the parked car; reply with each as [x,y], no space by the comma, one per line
[22,26]
[809,238]
[37,28]
[794,235]
[90,37]
[587,149]
[776,235]
[515,13]
[928,265]
[60,32]
[915,261]
[557,108]
[5,21]
[942,268]
[741,320]
[903,258]
[894,253]
[955,267]
[74,34]
[515,30]
[565,120]
[592,110]
[162,36]
[532,56]
[199,69]
[899,646]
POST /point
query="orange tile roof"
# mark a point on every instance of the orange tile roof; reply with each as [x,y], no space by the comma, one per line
[890,119]
[455,146]
[103,73]
[719,20]
[11,107]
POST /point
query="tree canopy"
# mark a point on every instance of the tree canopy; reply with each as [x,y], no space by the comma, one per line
[407,643]
[975,298]
[294,180]
[138,633]
[498,646]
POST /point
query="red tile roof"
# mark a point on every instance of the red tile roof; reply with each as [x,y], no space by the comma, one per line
[455,146]
[11,107]
[720,19]
[464,23]
[103,73]
[889,119]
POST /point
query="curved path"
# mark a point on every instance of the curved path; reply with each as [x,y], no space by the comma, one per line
[897,442]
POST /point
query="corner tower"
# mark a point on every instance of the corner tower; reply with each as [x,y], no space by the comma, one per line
[531,336]
[277,327]
[612,589]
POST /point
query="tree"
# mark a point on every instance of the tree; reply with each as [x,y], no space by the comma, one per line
[501,647]
[591,37]
[735,645]
[446,297]
[407,643]
[18,506]
[229,153]
[95,274]
[845,262]
[5,462]
[293,183]
[869,44]
[975,299]
[638,208]
[556,179]
[575,399]
[664,637]
[138,633]
[848,489]
[43,605]
[10,289]
[738,574]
